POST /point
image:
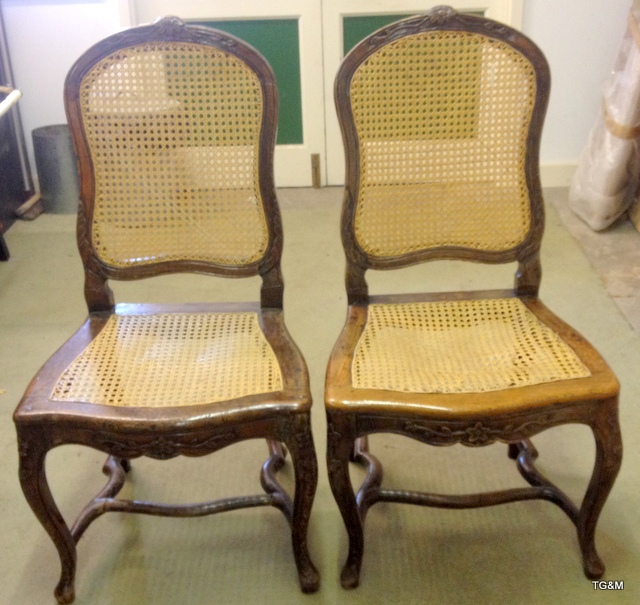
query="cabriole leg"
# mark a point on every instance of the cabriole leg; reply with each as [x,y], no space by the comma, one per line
[606,432]
[303,456]
[339,450]
[33,479]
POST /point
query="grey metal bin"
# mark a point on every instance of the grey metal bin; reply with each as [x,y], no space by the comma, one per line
[56,164]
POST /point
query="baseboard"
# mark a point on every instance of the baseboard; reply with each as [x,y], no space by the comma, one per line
[556,175]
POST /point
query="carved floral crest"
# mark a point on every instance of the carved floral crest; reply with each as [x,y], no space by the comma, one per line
[441,14]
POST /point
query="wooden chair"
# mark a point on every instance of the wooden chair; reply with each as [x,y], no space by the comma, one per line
[441,117]
[175,128]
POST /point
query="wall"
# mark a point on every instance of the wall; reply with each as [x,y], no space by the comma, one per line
[580,41]
[46,36]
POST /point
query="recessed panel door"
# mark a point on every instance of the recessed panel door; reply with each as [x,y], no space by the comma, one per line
[289,34]
[305,41]
[346,22]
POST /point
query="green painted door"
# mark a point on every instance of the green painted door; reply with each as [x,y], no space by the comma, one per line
[305,41]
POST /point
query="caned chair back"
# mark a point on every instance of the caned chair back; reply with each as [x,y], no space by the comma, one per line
[441,123]
[175,132]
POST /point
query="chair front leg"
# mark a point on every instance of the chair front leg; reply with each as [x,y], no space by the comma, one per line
[340,444]
[606,432]
[33,450]
[303,456]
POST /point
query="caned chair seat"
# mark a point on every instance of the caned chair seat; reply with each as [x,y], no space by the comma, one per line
[469,346]
[457,358]
[172,360]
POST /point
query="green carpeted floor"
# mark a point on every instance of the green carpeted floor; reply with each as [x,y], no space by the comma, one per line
[522,553]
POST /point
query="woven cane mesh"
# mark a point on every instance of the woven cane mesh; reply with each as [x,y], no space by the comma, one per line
[172,359]
[173,131]
[459,347]
[442,121]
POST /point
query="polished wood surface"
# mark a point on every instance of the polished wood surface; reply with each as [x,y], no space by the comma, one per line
[474,419]
[162,432]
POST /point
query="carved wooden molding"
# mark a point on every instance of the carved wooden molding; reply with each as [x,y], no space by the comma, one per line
[472,435]
[441,14]
[164,447]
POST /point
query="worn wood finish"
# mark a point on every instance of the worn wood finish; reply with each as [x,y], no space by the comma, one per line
[473,419]
[282,417]
[97,292]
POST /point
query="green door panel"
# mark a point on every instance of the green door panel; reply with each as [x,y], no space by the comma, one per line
[277,40]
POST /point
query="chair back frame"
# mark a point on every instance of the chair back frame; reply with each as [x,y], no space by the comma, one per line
[528,274]
[98,295]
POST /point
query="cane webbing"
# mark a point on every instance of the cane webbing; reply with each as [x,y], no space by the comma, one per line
[173,131]
[459,347]
[172,359]
[442,122]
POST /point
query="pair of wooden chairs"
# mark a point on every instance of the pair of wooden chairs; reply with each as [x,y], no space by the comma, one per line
[175,127]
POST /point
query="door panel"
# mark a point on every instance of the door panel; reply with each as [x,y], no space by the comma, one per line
[289,35]
[358,27]
[305,53]
[278,41]
[346,22]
